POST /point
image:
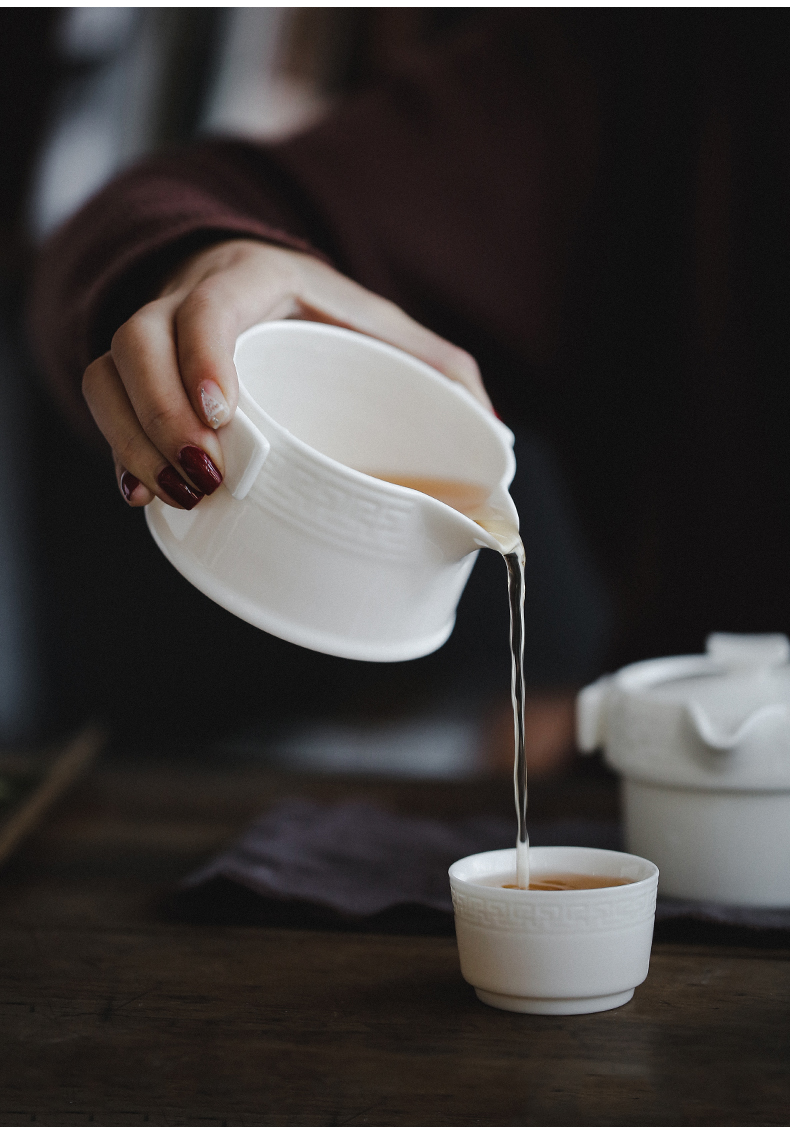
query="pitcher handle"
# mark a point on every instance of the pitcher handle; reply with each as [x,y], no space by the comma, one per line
[244,450]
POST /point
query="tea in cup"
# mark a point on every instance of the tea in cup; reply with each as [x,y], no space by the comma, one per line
[558,947]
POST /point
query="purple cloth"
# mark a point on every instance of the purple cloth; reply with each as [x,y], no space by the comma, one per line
[358,861]
[764,918]
[354,858]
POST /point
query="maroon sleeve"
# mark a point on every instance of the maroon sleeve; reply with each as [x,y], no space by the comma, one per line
[444,189]
[111,257]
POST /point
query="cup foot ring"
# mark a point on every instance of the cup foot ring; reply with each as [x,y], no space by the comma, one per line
[554,1005]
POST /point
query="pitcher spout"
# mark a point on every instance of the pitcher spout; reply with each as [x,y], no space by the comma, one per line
[497,522]
[456,534]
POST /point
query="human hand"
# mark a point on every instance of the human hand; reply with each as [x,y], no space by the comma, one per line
[169,382]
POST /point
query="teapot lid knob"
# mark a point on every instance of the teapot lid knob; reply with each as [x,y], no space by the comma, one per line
[743,650]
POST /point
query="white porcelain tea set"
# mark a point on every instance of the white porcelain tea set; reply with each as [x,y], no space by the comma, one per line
[702,744]
[304,541]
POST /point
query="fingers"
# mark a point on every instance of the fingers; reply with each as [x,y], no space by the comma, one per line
[169,381]
[141,469]
[248,283]
[143,353]
[346,303]
[232,287]
[135,492]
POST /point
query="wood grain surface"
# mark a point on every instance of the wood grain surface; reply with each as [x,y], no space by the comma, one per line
[113,1014]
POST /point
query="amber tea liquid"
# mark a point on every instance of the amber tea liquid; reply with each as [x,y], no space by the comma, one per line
[464,497]
[568,881]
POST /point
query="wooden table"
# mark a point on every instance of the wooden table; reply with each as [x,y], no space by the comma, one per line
[113,1013]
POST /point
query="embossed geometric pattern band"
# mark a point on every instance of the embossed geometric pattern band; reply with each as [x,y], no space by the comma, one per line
[555,917]
[324,503]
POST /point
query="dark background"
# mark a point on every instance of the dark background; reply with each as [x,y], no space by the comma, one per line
[108,629]
[658,514]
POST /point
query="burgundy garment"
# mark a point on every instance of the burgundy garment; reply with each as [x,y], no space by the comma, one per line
[594,202]
[107,262]
[442,188]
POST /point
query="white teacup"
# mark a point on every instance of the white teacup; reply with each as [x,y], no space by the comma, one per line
[302,539]
[579,951]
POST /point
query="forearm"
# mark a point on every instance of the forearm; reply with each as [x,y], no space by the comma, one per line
[436,190]
[114,255]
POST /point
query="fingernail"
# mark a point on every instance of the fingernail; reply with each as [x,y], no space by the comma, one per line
[129,483]
[215,407]
[200,469]
[172,483]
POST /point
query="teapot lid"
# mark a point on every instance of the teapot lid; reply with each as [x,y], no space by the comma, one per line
[722,718]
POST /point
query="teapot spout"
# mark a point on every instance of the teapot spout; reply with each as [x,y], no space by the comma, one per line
[716,738]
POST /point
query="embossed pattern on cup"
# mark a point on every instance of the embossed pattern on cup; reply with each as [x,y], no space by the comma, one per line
[578,951]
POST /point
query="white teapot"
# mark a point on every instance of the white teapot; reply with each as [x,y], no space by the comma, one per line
[302,539]
[703,747]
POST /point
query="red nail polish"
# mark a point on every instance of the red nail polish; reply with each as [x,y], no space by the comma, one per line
[200,469]
[128,484]
[172,483]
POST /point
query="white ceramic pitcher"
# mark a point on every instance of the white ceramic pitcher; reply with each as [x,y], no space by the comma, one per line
[301,540]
